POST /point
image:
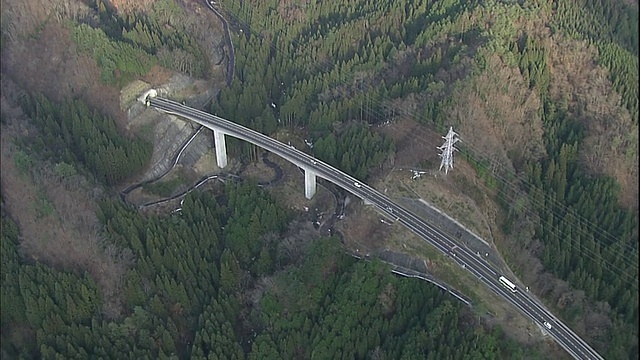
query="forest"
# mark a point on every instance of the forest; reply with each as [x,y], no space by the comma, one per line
[226,277]
[216,281]
[126,47]
[73,134]
[320,72]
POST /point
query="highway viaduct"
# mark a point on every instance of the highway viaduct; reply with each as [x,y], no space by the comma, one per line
[223,128]
[485,272]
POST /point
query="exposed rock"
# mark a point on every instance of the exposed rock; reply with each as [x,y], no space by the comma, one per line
[167,132]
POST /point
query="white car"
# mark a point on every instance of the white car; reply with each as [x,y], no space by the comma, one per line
[547,325]
[357,185]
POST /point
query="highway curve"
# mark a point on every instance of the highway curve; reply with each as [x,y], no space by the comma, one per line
[473,262]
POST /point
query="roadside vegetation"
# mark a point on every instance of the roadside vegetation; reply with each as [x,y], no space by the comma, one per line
[329,63]
[223,279]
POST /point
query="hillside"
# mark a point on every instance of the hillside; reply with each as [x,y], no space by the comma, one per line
[544,96]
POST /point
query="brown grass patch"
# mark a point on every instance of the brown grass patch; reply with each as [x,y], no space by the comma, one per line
[362,229]
[415,144]
[364,233]
[129,6]
[158,76]
[258,172]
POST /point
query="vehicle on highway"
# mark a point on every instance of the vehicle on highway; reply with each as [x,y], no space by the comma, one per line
[477,265]
[508,284]
[547,325]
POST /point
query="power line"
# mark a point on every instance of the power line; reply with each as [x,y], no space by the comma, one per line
[612,268]
[586,252]
[565,211]
[331,66]
[343,78]
[605,235]
[515,188]
[447,150]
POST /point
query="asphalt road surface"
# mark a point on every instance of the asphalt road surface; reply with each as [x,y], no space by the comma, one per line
[473,262]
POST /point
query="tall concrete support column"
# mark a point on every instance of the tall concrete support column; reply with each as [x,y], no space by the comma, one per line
[221,148]
[309,183]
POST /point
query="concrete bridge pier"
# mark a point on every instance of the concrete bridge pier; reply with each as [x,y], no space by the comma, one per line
[221,148]
[309,183]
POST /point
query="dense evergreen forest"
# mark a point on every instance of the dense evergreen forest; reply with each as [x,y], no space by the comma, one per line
[126,46]
[70,133]
[217,281]
[328,62]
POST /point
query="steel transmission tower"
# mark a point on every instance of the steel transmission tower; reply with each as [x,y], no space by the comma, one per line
[447,150]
